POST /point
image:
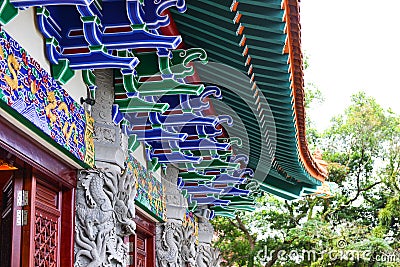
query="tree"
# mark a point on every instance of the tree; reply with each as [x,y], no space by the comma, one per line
[363,150]
[235,241]
[357,148]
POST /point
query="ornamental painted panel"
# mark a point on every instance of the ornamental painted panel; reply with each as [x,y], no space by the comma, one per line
[30,91]
[150,191]
[190,220]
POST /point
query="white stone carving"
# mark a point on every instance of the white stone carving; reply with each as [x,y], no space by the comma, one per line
[104,216]
[169,244]
[207,256]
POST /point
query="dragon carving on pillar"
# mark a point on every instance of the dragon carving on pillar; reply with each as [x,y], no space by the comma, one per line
[188,251]
[207,256]
[169,248]
[104,216]
[177,247]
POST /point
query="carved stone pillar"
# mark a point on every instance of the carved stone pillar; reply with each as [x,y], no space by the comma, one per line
[110,144]
[105,196]
[206,255]
[176,203]
[176,244]
[104,216]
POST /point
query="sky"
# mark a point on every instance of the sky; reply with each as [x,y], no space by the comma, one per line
[353,45]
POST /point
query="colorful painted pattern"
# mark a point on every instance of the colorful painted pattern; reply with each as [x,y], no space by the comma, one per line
[150,191]
[29,90]
[189,219]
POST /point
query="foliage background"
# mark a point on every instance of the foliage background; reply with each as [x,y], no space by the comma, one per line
[362,148]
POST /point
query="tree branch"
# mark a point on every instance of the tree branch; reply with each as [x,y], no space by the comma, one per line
[311,207]
[274,256]
[244,229]
[359,192]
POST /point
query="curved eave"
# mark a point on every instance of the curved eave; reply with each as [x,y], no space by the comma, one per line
[295,61]
[270,54]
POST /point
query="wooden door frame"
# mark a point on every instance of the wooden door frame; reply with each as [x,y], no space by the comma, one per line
[147,227]
[16,181]
[37,160]
[30,151]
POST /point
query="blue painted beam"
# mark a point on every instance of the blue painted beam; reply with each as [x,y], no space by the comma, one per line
[202,189]
[30,3]
[175,157]
[210,201]
[151,12]
[225,178]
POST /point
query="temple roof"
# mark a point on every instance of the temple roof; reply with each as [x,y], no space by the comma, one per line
[262,40]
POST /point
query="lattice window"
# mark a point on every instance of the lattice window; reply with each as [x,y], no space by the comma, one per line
[47,219]
[46,240]
[141,263]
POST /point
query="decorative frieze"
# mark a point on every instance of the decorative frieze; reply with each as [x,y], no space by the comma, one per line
[27,90]
[190,220]
[150,192]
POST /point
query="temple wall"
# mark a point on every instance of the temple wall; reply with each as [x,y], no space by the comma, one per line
[105,198]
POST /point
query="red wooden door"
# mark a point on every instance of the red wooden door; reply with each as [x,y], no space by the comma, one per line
[50,227]
[142,245]
[10,233]
[47,220]
[50,183]
[49,224]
